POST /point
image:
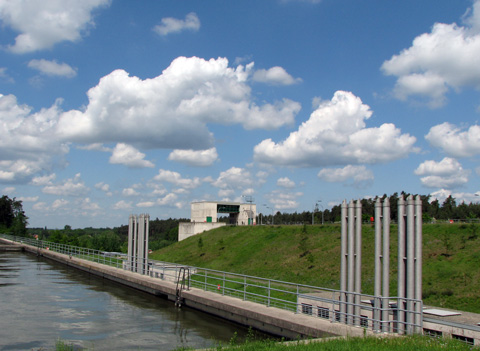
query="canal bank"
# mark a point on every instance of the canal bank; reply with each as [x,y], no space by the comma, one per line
[268,319]
[44,301]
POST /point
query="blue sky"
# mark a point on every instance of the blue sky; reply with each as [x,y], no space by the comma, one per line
[109,108]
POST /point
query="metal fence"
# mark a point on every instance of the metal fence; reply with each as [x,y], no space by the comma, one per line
[298,298]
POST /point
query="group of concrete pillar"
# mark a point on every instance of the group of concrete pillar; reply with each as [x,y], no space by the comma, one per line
[409,307]
[138,227]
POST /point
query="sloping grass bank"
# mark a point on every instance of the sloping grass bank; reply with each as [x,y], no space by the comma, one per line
[311,255]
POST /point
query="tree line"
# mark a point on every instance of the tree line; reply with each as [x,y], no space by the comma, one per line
[162,232]
[431,211]
[165,232]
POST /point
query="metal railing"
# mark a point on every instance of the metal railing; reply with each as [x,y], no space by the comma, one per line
[298,298]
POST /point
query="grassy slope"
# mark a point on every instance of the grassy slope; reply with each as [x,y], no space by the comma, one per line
[408,343]
[451,257]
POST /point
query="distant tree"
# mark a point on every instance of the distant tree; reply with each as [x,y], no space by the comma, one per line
[57,236]
[12,216]
[448,208]
[6,212]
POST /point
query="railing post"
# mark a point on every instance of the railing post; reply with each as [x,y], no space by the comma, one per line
[298,293]
[269,286]
[244,288]
[223,285]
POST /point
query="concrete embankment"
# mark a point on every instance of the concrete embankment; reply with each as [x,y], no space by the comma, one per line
[268,319]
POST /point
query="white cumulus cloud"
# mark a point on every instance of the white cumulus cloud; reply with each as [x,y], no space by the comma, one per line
[455,141]
[174,25]
[42,24]
[445,58]
[122,205]
[177,179]
[29,143]
[69,187]
[285,182]
[53,68]
[359,174]
[173,109]
[234,178]
[336,134]
[282,200]
[127,155]
[446,174]
[59,203]
[198,158]
[130,192]
[276,76]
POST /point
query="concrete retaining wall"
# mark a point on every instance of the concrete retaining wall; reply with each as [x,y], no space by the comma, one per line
[188,229]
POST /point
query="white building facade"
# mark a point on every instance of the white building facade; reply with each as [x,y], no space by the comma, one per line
[204,216]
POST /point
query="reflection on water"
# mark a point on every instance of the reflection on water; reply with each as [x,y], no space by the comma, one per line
[41,301]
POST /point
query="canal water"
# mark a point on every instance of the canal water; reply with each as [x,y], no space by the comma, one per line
[42,301]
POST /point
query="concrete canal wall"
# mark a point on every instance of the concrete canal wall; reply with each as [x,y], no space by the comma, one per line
[11,248]
[268,319]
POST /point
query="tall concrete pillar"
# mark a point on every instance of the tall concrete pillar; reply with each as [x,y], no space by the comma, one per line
[409,313]
[343,264]
[142,243]
[138,229]
[401,266]
[409,264]
[418,261]
[410,261]
[351,262]
[382,265]
[358,260]
[386,265]
[377,288]
[130,243]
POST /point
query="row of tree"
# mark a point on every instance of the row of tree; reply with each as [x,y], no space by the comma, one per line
[165,232]
[432,210]
[161,233]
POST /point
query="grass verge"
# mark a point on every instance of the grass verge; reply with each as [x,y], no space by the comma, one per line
[411,343]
